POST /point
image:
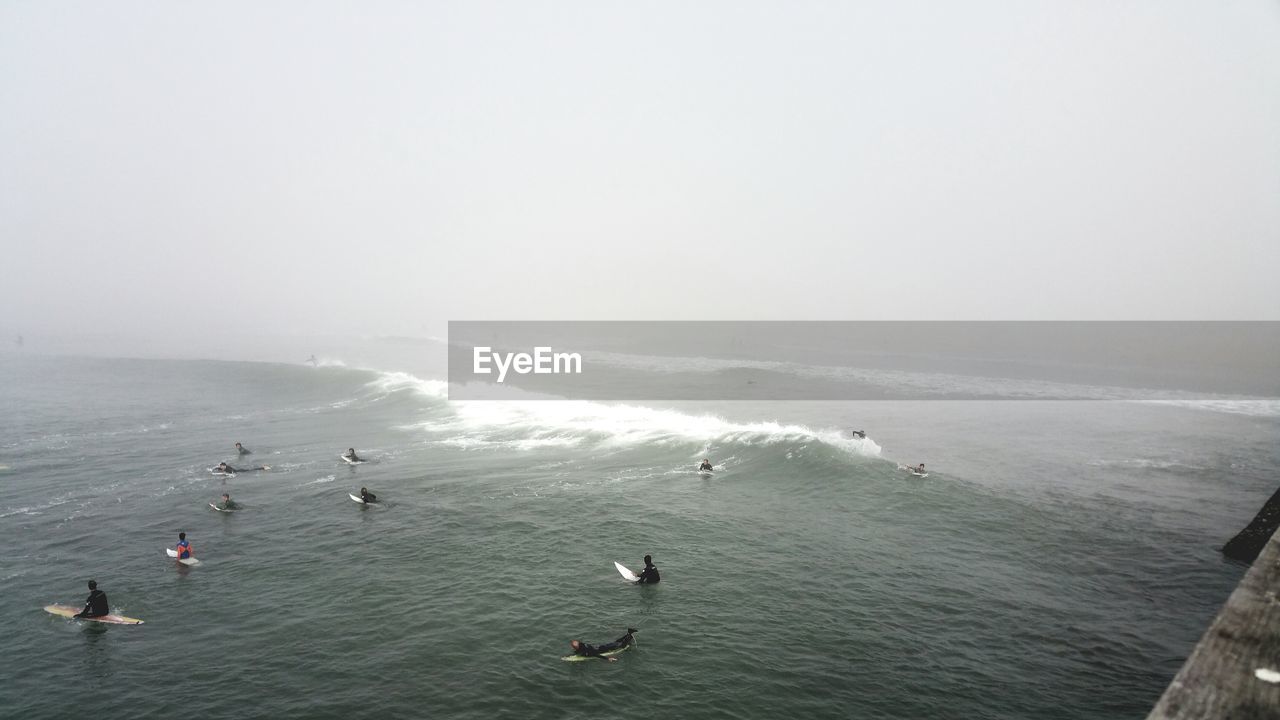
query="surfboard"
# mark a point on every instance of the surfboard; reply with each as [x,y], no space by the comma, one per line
[225,510]
[67,611]
[624,572]
[218,473]
[912,470]
[357,498]
[920,475]
[705,473]
[349,461]
[186,561]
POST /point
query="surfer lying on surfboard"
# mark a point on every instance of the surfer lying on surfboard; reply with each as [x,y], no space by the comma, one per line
[582,649]
[226,469]
[96,605]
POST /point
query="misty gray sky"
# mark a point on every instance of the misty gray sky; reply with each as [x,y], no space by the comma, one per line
[381,167]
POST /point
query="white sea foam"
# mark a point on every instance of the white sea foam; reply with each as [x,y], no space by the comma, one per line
[567,423]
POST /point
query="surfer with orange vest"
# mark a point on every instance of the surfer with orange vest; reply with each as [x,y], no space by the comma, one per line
[184,548]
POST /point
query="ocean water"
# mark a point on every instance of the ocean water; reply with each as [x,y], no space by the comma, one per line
[1060,561]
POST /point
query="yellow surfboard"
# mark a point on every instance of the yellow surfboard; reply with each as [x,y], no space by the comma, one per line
[67,611]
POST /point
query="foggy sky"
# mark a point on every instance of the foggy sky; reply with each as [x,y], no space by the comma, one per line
[382,167]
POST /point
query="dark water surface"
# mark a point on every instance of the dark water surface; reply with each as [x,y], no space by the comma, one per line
[1059,562]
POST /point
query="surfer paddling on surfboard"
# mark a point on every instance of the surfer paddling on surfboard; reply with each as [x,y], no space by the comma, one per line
[649,574]
[226,469]
[605,651]
[96,606]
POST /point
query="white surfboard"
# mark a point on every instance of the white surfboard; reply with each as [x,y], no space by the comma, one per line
[218,473]
[705,473]
[187,561]
[624,572]
[357,498]
[349,461]
[225,510]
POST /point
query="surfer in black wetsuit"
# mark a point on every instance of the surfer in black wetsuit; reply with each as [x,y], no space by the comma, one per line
[228,470]
[587,650]
[351,456]
[243,450]
[705,466]
[649,575]
[96,605]
[367,496]
[227,503]
[859,433]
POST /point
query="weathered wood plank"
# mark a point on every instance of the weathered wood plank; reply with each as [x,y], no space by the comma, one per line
[1221,678]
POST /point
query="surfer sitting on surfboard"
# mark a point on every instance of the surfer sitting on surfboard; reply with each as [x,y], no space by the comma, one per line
[705,466]
[587,650]
[96,605]
[227,503]
[350,455]
[243,450]
[650,573]
[367,496]
[184,548]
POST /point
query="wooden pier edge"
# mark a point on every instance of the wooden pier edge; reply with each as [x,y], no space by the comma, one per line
[1220,679]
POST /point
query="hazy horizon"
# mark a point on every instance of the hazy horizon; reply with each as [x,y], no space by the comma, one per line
[180,171]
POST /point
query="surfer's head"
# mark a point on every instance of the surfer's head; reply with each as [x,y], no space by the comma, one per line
[226,496]
[575,644]
[648,559]
[93,584]
[182,536]
[237,444]
[364,491]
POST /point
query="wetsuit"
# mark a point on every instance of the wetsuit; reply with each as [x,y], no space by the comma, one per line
[705,467]
[228,505]
[368,497]
[95,606]
[599,650]
[184,549]
[244,451]
[649,575]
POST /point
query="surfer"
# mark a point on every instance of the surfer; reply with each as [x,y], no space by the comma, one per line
[705,466]
[227,503]
[96,605]
[649,574]
[367,496]
[587,650]
[243,450]
[350,455]
[226,469]
[184,547]
[860,434]
[919,469]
